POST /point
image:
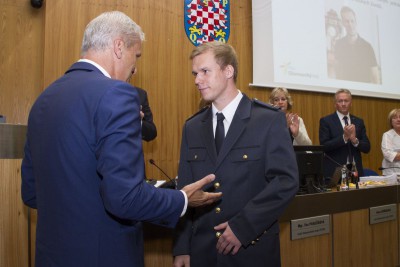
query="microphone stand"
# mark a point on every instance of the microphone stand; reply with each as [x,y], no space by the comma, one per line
[172,182]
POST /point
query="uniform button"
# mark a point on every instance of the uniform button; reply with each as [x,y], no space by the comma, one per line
[218,234]
[253,242]
[245,157]
[217,185]
[195,156]
[217,210]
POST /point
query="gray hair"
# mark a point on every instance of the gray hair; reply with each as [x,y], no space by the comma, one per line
[340,91]
[104,29]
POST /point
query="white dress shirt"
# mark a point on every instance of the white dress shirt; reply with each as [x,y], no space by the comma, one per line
[228,111]
[390,147]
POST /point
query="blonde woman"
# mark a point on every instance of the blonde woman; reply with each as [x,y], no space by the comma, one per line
[391,144]
[280,97]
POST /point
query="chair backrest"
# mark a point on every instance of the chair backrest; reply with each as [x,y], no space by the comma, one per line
[369,172]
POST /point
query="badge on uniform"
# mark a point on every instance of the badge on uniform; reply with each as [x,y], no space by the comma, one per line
[207,20]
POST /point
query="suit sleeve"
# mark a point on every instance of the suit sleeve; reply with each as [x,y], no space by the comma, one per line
[302,138]
[28,191]
[119,154]
[327,138]
[364,145]
[387,147]
[183,230]
[149,130]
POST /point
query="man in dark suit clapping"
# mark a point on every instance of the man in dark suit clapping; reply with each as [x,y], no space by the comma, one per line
[343,136]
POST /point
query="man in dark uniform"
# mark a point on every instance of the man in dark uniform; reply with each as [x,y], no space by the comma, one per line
[254,164]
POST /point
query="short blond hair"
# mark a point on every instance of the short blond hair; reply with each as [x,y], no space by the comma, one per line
[392,113]
[283,90]
[224,55]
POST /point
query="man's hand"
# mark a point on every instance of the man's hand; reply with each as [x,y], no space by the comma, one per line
[182,261]
[141,113]
[227,242]
[196,196]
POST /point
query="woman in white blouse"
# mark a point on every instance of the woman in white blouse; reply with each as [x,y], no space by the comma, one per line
[280,97]
[391,144]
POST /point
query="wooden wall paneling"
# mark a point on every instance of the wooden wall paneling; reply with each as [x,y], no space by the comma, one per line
[21,81]
[13,223]
[357,243]
[21,58]
[307,252]
[165,72]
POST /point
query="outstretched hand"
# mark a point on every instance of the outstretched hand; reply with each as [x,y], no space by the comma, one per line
[196,196]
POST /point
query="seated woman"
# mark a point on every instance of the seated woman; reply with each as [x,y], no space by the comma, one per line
[280,97]
[391,144]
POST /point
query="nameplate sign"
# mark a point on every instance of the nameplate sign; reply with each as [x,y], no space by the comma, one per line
[382,213]
[308,227]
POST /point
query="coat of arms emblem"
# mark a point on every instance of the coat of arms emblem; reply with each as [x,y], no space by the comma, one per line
[207,20]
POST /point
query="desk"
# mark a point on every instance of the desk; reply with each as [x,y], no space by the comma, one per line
[352,241]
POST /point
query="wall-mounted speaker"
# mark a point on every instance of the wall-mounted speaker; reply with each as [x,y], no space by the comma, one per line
[37,3]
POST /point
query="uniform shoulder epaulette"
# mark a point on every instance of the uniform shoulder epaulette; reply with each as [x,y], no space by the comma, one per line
[206,107]
[260,103]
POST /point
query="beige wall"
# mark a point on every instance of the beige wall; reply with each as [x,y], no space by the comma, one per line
[37,46]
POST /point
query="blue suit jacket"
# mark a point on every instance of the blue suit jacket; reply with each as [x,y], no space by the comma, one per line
[83,171]
[257,173]
[331,137]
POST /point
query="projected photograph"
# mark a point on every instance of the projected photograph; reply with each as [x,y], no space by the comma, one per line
[352,39]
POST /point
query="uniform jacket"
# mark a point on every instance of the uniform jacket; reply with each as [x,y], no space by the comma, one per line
[257,173]
[331,137]
[83,171]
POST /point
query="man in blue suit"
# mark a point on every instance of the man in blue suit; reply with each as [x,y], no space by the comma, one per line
[83,164]
[343,136]
[254,164]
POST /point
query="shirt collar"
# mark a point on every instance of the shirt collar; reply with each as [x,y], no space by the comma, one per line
[230,109]
[341,115]
[96,65]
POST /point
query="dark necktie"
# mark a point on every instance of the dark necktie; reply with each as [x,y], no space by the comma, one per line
[219,131]
[346,120]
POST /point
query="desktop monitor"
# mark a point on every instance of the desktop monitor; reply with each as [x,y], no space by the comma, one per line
[309,162]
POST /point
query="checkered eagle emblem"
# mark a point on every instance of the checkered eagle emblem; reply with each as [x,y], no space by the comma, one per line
[207,20]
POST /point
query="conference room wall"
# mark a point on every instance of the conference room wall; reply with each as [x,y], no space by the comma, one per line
[39,45]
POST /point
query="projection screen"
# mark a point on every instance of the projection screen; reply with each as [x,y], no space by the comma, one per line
[324,45]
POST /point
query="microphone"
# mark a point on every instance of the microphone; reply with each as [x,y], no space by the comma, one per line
[332,160]
[171,183]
